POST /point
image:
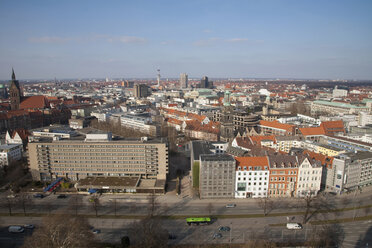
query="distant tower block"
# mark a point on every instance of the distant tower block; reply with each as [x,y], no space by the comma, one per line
[158,77]
[183,80]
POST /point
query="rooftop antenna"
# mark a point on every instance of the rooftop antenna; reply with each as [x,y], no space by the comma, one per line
[158,77]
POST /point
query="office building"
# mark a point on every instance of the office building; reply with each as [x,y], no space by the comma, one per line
[184,81]
[97,155]
[141,90]
[217,176]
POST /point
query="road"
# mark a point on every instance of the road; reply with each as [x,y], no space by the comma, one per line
[175,205]
[356,234]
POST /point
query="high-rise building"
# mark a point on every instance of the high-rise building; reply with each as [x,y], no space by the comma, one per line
[204,82]
[141,90]
[15,93]
[184,80]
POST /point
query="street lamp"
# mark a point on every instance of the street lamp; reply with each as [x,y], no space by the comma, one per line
[230,231]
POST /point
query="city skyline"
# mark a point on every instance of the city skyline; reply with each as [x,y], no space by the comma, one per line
[268,39]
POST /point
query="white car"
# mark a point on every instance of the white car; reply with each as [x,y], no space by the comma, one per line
[15,229]
[231,205]
[294,226]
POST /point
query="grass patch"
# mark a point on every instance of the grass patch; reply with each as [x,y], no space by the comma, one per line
[195,174]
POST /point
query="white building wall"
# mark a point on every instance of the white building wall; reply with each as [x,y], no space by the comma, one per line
[309,179]
[255,183]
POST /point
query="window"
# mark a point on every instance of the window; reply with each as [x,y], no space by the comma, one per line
[241,186]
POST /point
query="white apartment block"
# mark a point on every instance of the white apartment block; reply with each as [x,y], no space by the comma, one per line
[252,177]
[9,153]
[309,178]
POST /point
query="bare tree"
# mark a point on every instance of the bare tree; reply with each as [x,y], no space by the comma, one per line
[75,203]
[94,200]
[152,204]
[114,205]
[149,233]
[8,203]
[266,204]
[24,200]
[209,208]
[63,231]
[326,236]
[314,204]
[366,211]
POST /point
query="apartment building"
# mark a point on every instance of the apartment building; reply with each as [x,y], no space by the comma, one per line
[309,178]
[217,176]
[283,175]
[10,153]
[252,177]
[97,155]
[277,128]
[349,171]
[335,107]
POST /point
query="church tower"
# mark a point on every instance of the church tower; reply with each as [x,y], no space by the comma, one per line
[14,93]
[227,124]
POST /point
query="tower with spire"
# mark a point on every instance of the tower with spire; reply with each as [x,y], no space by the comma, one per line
[14,93]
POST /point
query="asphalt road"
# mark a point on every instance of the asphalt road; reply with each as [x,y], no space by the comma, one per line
[174,205]
[355,234]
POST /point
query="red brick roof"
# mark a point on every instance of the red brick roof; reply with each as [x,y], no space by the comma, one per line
[256,140]
[39,102]
[310,131]
[23,133]
[332,127]
[323,159]
[174,121]
[278,125]
[242,162]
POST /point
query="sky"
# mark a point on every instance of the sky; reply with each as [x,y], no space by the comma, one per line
[307,39]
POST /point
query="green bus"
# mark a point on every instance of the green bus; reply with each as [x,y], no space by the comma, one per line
[198,221]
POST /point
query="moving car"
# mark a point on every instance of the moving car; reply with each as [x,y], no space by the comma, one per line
[61,196]
[39,196]
[29,226]
[217,235]
[96,231]
[294,226]
[15,229]
[231,205]
[224,229]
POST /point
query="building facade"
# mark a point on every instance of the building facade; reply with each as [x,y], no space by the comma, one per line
[252,177]
[309,178]
[77,159]
[217,176]
[184,81]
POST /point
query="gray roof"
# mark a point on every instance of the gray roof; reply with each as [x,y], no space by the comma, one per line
[216,157]
[200,147]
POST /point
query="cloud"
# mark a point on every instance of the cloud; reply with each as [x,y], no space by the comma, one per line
[88,38]
[127,39]
[207,42]
[237,40]
[49,39]
[207,31]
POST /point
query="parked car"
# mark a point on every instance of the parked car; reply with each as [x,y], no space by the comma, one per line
[11,196]
[217,235]
[96,231]
[231,205]
[39,196]
[172,236]
[15,229]
[29,226]
[61,196]
[224,229]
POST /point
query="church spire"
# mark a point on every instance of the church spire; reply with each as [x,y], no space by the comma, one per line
[13,75]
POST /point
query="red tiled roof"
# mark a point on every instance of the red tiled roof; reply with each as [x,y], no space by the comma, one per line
[325,160]
[174,121]
[310,131]
[278,125]
[256,140]
[251,161]
[332,127]
[39,102]
[23,133]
